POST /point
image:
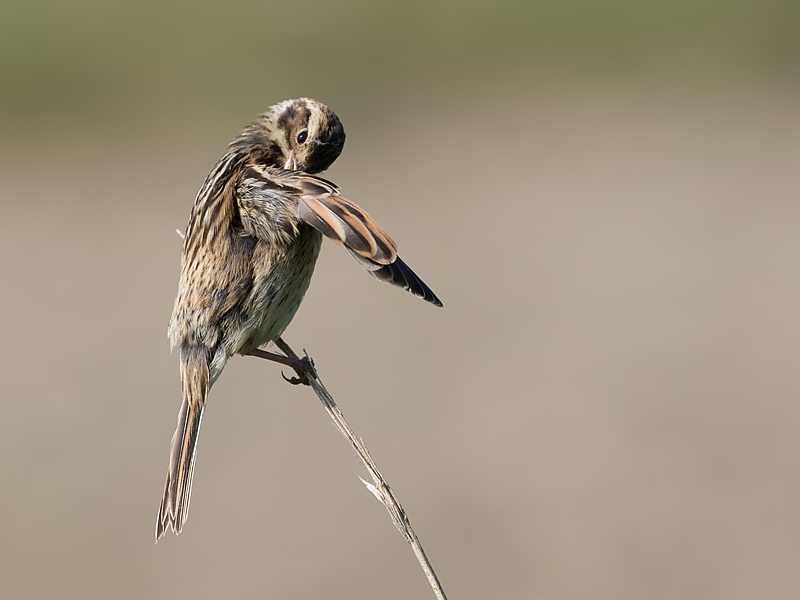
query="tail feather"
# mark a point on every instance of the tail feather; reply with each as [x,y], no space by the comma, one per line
[183,448]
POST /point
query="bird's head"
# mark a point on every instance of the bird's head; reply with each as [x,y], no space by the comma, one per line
[297,135]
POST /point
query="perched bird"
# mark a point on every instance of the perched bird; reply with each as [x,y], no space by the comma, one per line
[249,251]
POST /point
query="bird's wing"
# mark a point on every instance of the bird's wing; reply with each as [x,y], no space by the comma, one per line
[272,201]
[216,266]
[400,274]
[346,223]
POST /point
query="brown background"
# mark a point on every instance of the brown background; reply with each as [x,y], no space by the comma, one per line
[605,197]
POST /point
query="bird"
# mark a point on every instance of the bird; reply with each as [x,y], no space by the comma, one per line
[253,238]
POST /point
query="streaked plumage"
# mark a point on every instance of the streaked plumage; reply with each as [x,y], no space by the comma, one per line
[249,252]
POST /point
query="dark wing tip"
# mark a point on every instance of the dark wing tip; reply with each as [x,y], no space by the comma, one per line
[400,274]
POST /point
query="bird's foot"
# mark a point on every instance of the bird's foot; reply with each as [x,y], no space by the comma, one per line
[303,367]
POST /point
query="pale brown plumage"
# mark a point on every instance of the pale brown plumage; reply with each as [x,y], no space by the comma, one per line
[249,252]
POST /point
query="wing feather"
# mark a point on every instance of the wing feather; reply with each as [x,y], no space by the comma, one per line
[346,223]
[400,274]
[264,190]
[314,212]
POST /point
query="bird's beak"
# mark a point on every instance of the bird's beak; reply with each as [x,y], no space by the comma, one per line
[291,162]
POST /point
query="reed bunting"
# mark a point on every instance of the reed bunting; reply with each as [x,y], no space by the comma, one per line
[249,251]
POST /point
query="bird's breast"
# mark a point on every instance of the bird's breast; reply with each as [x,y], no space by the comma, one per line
[281,276]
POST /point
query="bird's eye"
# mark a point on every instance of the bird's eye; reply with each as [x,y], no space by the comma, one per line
[302,137]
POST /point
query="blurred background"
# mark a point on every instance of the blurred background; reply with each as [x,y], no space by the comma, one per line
[605,197]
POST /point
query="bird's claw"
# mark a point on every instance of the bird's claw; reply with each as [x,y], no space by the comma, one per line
[302,371]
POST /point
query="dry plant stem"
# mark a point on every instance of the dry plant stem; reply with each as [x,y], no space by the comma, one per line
[378,487]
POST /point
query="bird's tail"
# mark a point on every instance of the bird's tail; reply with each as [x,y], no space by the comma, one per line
[183,448]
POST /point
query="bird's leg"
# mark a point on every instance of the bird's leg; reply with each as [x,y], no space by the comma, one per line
[302,366]
[308,364]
